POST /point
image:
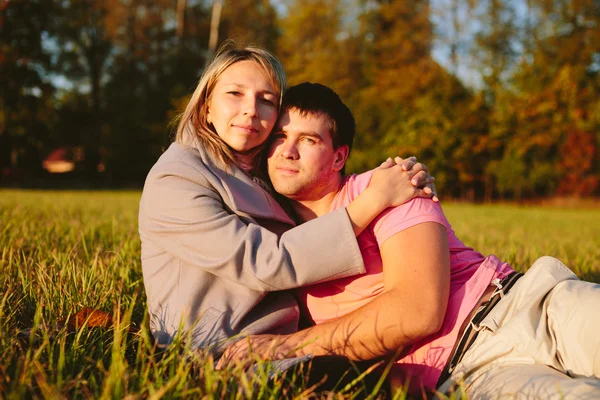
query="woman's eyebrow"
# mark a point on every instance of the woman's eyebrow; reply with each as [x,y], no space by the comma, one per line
[234,84]
[242,86]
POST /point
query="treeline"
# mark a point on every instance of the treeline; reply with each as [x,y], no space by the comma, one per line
[499,98]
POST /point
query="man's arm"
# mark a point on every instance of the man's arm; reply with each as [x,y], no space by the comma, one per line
[416,272]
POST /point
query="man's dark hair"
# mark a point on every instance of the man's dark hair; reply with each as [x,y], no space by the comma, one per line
[316,99]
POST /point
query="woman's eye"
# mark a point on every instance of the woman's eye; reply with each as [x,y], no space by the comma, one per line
[267,101]
[234,92]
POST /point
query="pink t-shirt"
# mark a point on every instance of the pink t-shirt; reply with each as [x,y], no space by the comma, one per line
[471,273]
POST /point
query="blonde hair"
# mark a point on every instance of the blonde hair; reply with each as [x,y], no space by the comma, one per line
[195,113]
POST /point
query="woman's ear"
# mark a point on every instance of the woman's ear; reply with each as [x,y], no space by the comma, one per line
[340,156]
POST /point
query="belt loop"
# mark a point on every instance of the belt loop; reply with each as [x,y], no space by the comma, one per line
[475,325]
[498,283]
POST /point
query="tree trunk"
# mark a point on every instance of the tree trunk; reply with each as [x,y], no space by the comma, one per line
[180,17]
[214,29]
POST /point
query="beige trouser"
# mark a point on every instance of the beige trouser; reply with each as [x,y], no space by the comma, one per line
[542,340]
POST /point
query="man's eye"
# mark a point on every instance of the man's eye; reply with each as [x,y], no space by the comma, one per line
[310,140]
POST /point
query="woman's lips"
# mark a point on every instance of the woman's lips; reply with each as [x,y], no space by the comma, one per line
[248,128]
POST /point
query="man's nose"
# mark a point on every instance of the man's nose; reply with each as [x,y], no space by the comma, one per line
[289,150]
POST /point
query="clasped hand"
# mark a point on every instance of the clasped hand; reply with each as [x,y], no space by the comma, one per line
[403,179]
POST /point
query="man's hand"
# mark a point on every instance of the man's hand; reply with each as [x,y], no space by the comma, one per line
[263,347]
[419,173]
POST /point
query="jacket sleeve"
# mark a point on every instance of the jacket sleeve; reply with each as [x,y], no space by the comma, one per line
[184,215]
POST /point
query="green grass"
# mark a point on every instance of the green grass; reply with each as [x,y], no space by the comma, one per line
[521,234]
[61,251]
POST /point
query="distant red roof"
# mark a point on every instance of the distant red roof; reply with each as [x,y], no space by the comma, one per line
[59,154]
[59,161]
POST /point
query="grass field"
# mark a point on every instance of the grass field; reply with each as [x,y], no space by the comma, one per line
[62,251]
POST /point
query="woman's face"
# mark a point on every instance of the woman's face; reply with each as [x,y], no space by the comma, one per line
[243,106]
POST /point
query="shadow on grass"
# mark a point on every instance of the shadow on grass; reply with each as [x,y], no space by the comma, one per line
[590,276]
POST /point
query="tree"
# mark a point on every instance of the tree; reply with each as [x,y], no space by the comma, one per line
[396,66]
[26,102]
[495,51]
[316,44]
[555,89]
[250,22]
[82,54]
[153,66]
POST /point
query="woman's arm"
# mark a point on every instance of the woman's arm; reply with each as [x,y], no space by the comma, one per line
[416,271]
[183,214]
[392,184]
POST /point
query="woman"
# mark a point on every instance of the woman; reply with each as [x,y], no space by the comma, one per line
[214,242]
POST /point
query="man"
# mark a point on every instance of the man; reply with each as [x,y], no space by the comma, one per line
[423,286]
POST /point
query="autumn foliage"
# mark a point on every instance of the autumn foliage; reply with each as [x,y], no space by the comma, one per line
[499,99]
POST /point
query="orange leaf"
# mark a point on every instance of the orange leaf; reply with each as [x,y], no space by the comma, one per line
[90,317]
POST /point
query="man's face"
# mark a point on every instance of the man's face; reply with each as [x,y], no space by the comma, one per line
[302,162]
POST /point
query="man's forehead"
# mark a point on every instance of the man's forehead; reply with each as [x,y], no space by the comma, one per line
[296,120]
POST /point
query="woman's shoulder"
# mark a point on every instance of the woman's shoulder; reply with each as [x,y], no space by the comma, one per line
[179,160]
[178,178]
[179,154]
[178,168]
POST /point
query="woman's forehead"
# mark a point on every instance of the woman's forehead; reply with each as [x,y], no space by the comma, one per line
[247,72]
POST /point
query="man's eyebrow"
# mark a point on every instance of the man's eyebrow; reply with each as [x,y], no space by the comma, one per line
[312,134]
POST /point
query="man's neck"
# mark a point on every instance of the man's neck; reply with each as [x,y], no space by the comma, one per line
[320,204]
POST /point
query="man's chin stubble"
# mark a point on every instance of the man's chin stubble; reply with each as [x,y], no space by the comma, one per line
[286,191]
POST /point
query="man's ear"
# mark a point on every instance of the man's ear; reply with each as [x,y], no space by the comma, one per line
[339,157]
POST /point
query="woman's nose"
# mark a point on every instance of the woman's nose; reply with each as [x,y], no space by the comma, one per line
[249,107]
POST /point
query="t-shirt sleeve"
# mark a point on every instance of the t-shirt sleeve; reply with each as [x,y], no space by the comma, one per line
[397,219]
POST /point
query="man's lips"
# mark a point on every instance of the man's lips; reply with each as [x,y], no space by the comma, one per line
[287,170]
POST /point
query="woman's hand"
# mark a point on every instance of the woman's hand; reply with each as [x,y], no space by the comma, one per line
[421,178]
[396,182]
[263,347]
